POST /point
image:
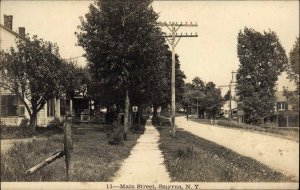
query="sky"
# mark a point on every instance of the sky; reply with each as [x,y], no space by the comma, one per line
[212,56]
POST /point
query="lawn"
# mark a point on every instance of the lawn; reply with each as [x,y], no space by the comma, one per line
[193,159]
[94,159]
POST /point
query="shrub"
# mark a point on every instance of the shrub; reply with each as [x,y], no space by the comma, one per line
[76,120]
[55,123]
[24,123]
[24,127]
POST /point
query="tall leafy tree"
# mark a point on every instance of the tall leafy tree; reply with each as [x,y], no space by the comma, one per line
[33,71]
[213,99]
[204,97]
[119,38]
[293,75]
[179,81]
[262,60]
[294,65]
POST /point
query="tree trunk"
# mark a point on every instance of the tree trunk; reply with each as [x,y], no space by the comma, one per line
[33,122]
[139,114]
[155,107]
[126,117]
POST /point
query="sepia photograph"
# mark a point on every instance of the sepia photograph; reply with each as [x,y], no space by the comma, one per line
[149,94]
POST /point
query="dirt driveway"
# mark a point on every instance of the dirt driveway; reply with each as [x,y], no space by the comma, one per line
[277,153]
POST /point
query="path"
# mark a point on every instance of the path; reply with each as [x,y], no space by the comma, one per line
[145,163]
[277,153]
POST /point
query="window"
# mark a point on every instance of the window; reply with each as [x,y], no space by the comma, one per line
[281,106]
[9,105]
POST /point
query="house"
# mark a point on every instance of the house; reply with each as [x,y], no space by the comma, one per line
[12,110]
[285,115]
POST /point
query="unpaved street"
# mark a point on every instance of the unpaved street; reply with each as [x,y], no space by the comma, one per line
[277,153]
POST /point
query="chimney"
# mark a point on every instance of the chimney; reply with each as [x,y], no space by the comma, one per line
[22,31]
[8,19]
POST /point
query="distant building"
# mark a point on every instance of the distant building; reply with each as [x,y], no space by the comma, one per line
[285,115]
[12,110]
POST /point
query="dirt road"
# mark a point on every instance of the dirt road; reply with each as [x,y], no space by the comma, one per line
[277,153]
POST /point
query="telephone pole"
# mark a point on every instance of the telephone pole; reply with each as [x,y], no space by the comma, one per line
[173,38]
[231,83]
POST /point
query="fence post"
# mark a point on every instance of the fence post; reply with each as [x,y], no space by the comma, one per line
[68,148]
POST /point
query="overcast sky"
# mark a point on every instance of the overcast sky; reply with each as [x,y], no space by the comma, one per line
[212,56]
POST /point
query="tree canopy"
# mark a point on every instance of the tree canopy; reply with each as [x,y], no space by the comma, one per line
[33,71]
[205,95]
[126,50]
[262,60]
[293,74]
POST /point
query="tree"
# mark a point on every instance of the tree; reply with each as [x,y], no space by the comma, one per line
[165,100]
[204,97]
[33,72]
[293,74]
[262,60]
[213,99]
[294,64]
[77,80]
[123,44]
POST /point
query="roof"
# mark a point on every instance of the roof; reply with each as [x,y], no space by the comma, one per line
[279,96]
[13,32]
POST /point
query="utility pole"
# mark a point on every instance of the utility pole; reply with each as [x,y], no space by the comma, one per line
[230,93]
[230,98]
[173,27]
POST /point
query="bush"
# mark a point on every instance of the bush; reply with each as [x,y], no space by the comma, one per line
[24,127]
[55,123]
[76,120]
[24,123]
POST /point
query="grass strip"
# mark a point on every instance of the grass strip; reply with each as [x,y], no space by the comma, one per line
[291,134]
[193,159]
[94,159]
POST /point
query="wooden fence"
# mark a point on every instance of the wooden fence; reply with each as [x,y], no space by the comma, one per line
[66,152]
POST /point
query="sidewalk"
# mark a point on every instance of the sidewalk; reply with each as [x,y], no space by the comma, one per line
[277,153]
[145,163]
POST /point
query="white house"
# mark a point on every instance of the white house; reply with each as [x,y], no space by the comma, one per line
[12,111]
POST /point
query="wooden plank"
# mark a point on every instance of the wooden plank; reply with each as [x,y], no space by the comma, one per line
[46,162]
